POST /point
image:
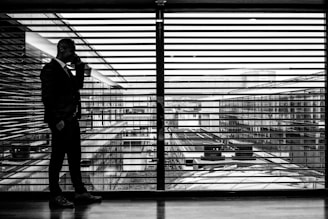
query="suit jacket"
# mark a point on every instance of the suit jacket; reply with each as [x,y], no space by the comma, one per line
[60,92]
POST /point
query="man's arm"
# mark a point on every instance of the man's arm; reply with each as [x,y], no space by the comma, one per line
[79,68]
[79,75]
[48,88]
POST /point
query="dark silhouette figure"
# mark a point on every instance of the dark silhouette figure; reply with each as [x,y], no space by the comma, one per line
[61,99]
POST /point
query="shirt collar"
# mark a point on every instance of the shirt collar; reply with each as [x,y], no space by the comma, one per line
[62,64]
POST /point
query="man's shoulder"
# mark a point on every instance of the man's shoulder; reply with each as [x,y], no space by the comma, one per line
[51,64]
[49,67]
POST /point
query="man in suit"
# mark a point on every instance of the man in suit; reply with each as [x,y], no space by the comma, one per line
[61,99]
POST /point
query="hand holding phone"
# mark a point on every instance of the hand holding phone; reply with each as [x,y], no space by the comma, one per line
[76,60]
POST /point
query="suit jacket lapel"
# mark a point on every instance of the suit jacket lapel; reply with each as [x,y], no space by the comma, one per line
[60,69]
[69,72]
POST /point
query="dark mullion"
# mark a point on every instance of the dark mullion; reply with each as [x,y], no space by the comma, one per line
[160,96]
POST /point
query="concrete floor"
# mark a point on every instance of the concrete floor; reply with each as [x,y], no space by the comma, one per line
[192,208]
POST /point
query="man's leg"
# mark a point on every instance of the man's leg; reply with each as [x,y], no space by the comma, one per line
[56,161]
[74,160]
[58,146]
[74,155]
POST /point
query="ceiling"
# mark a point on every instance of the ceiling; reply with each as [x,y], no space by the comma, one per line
[15,5]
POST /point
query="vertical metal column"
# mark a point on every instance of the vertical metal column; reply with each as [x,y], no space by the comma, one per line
[326,98]
[160,94]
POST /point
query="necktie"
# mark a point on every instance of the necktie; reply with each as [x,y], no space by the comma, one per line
[67,71]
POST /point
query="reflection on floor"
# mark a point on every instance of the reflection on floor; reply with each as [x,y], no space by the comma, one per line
[180,208]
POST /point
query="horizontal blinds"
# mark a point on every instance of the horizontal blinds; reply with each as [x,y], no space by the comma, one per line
[118,124]
[244,101]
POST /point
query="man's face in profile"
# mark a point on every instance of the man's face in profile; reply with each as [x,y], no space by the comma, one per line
[68,53]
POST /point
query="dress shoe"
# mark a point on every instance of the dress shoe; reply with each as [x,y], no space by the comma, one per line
[86,198]
[60,202]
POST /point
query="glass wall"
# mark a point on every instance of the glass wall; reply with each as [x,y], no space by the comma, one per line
[118,128]
[244,100]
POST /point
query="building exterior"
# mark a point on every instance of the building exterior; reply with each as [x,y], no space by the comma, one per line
[288,123]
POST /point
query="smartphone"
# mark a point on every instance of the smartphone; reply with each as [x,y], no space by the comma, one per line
[76,59]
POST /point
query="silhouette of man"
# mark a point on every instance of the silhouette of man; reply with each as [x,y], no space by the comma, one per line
[61,99]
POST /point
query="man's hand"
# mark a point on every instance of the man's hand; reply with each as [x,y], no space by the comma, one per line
[77,60]
[60,125]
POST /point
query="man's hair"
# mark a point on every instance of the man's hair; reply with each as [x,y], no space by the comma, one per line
[65,43]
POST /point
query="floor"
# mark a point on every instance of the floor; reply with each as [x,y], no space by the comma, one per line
[192,208]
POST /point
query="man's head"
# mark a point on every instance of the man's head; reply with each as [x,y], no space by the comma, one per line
[66,50]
